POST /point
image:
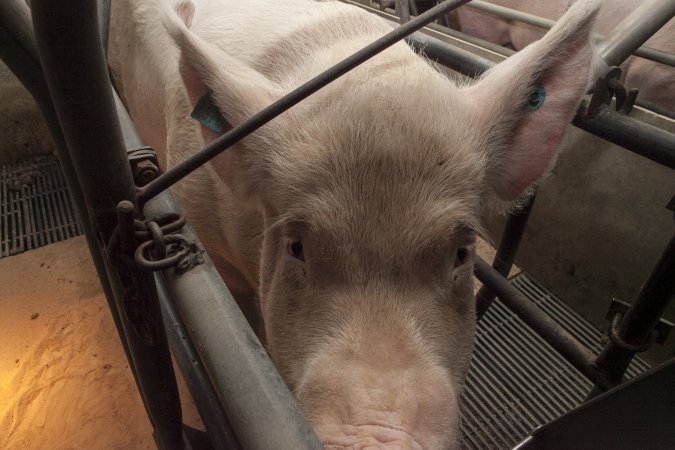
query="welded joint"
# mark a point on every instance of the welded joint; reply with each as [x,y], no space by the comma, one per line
[617,310]
[607,87]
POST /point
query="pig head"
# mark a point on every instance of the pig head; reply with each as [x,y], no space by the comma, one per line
[353,216]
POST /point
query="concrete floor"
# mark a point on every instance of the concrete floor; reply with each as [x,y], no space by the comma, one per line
[599,224]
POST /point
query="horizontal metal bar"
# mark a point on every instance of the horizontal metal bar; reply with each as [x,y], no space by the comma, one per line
[236,134]
[443,29]
[556,336]
[646,140]
[546,24]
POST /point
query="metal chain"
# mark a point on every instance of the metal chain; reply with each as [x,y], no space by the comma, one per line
[163,247]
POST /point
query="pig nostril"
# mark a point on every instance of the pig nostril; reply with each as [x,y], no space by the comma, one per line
[462,256]
[295,250]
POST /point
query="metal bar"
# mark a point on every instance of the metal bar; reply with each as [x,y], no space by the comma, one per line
[546,24]
[634,30]
[236,134]
[217,425]
[487,45]
[71,54]
[19,52]
[638,323]
[638,137]
[403,10]
[454,58]
[566,344]
[261,409]
[506,253]
[641,138]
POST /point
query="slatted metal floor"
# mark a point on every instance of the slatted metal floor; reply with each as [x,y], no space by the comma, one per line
[517,382]
[35,208]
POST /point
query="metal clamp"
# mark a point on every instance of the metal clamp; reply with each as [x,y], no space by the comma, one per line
[144,165]
[617,309]
[615,336]
[608,86]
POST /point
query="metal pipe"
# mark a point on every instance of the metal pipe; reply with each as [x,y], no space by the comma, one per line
[201,388]
[403,10]
[18,50]
[634,30]
[646,140]
[71,54]
[442,29]
[638,137]
[561,340]
[217,327]
[487,45]
[546,24]
[218,427]
[636,328]
[506,253]
[453,58]
[260,407]
[286,102]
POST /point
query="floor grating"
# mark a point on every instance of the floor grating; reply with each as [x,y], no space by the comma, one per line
[517,382]
[35,207]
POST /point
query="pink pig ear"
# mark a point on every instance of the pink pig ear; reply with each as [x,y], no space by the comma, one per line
[526,102]
[237,89]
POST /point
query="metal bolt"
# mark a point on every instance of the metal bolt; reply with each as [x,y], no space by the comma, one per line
[144,172]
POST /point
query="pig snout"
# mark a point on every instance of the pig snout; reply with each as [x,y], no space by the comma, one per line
[366,437]
[366,398]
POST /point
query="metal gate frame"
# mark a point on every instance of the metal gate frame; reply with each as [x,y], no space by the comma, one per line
[240,396]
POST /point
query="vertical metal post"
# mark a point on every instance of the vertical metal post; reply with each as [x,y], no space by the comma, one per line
[71,54]
[506,253]
[18,51]
[634,332]
[403,10]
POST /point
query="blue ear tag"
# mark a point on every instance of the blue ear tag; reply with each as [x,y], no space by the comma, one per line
[208,114]
[536,98]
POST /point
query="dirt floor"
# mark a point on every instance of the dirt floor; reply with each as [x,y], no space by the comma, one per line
[64,379]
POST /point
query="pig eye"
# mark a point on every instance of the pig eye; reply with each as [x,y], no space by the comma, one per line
[295,250]
[462,256]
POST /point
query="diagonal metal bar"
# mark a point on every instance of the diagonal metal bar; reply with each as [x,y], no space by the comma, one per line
[241,131]
[557,337]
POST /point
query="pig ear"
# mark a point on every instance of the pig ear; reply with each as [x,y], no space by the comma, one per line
[526,102]
[237,89]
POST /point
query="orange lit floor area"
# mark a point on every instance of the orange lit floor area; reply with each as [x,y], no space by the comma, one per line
[64,379]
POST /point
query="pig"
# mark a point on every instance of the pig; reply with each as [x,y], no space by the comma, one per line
[355,235]
[655,81]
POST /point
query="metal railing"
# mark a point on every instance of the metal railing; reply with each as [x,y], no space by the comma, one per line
[253,408]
